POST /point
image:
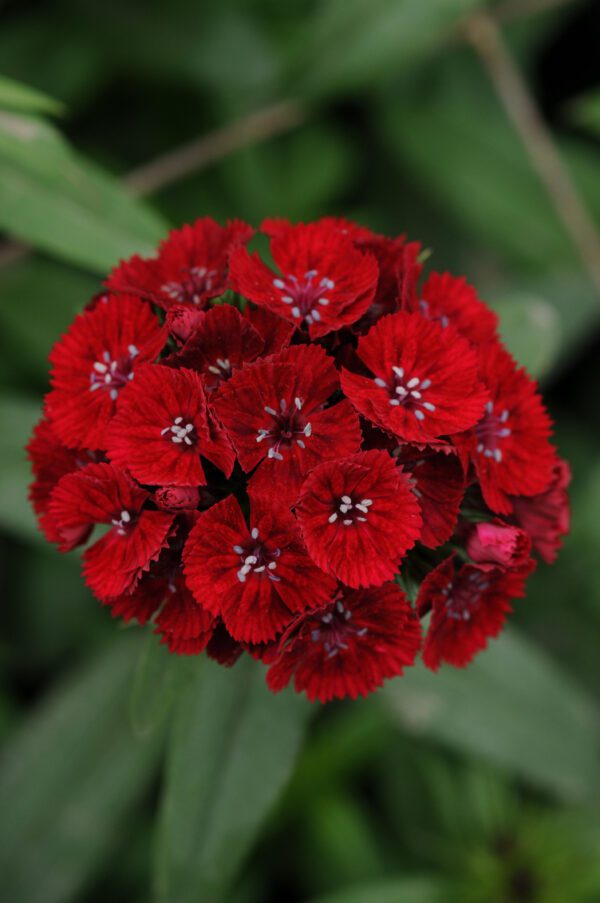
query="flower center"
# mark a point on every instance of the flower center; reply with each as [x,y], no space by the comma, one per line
[122,522]
[289,426]
[222,369]
[490,430]
[112,374]
[305,295]
[464,596]
[335,630]
[351,512]
[256,559]
[194,284]
[407,391]
[180,432]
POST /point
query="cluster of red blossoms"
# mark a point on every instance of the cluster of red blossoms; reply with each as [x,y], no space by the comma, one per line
[277,453]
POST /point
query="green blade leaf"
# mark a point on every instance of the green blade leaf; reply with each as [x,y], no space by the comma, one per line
[54,199]
[401,890]
[17,418]
[513,706]
[17,96]
[377,37]
[157,679]
[69,778]
[231,752]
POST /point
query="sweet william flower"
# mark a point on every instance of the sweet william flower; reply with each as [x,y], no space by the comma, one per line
[469,605]
[423,381]
[349,647]
[255,575]
[92,364]
[510,445]
[323,283]
[451,301]
[276,415]
[189,269]
[101,494]
[359,517]
[162,429]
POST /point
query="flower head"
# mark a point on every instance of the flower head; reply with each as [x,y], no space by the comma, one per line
[359,517]
[424,379]
[451,301]
[101,494]
[255,575]
[469,605]
[349,647]
[162,429]
[276,415]
[190,268]
[323,282]
[92,364]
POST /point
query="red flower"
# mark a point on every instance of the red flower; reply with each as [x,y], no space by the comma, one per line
[221,342]
[349,647]
[101,494]
[450,300]
[547,517]
[359,517]
[50,461]
[255,577]
[161,429]
[93,362]
[191,266]
[275,414]
[425,381]
[468,605]
[438,482]
[496,544]
[510,445]
[324,282]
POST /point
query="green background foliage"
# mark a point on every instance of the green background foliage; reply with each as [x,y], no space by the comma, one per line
[129,775]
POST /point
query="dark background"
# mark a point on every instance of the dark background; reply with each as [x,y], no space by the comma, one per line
[479,786]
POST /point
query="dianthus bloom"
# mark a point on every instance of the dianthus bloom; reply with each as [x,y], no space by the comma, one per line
[269,450]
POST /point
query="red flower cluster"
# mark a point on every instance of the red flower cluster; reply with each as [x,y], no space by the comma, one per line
[274,452]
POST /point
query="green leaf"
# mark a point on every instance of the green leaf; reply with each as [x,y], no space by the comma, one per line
[69,778]
[54,199]
[17,419]
[420,889]
[232,749]
[513,706]
[17,96]
[352,43]
[158,677]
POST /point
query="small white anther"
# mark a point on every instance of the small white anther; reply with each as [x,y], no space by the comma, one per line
[415,393]
[348,522]
[425,384]
[332,518]
[239,550]
[307,430]
[287,299]
[394,401]
[298,403]
[428,406]
[489,407]
[323,301]
[278,283]
[412,383]
[114,394]
[380,382]
[272,565]
[300,443]
[399,371]
[498,455]
[346,500]
[270,411]
[100,368]
[419,415]
[254,533]
[295,311]
[316,316]
[366,502]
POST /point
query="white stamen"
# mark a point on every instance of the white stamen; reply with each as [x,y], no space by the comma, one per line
[254,533]
[412,383]
[425,384]
[238,550]
[307,430]
[419,415]
[399,371]
[380,382]
[298,403]
[347,522]
[270,411]
[346,500]
[295,311]
[278,283]
[428,406]
[332,518]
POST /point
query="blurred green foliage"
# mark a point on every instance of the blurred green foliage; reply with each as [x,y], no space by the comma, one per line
[479,786]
